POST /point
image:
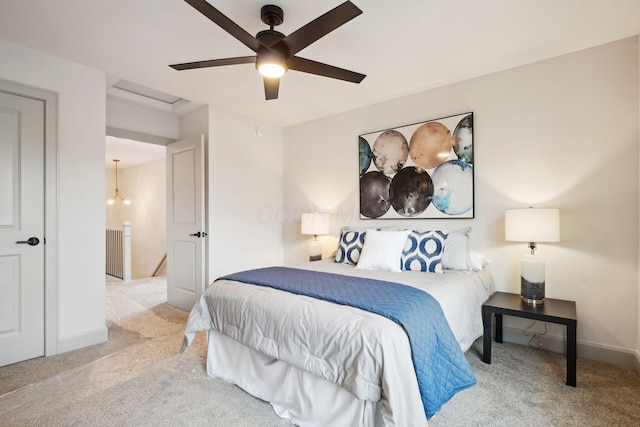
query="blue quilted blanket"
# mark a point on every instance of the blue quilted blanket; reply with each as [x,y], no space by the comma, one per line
[440,365]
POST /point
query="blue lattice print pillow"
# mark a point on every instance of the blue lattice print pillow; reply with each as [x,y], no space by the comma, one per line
[350,246]
[423,251]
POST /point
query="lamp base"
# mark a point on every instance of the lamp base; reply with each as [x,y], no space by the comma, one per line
[531,293]
[532,280]
[532,301]
[315,251]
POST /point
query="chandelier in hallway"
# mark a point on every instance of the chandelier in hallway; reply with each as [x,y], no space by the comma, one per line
[116,195]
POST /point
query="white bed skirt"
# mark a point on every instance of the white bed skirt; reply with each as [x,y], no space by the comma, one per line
[303,398]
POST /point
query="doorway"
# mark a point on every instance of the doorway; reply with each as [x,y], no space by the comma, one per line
[147,115]
[140,179]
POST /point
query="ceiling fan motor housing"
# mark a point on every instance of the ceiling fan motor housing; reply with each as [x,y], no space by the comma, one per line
[269,37]
[271,15]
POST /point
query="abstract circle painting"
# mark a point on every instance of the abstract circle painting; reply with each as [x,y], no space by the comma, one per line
[418,171]
[365,155]
[410,191]
[390,152]
[374,194]
[430,145]
[453,187]
[463,145]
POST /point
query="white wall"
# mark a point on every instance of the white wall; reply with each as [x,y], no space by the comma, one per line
[245,194]
[559,133]
[81,133]
[145,186]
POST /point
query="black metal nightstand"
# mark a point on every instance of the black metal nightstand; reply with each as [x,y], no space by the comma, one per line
[553,311]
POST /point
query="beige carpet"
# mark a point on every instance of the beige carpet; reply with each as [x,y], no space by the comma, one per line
[524,386]
[138,378]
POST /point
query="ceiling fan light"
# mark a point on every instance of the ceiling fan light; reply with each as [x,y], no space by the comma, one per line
[271,69]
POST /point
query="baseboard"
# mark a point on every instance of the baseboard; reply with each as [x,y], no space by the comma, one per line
[589,350]
[84,339]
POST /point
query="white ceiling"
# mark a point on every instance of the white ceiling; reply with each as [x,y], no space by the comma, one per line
[404,47]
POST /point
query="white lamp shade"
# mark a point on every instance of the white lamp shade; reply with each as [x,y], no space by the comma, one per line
[532,225]
[315,223]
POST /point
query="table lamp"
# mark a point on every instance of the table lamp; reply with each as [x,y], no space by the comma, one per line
[532,225]
[315,223]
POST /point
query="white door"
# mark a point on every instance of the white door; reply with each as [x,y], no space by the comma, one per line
[186,235]
[21,220]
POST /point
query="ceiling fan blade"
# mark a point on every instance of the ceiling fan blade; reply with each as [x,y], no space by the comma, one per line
[214,63]
[226,24]
[326,70]
[320,27]
[271,86]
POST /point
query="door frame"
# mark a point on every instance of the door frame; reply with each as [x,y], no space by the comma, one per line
[50,100]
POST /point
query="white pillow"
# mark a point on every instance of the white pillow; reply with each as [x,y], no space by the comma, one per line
[478,261]
[456,250]
[382,250]
[351,242]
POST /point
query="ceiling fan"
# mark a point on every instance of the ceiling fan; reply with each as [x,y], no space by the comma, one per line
[275,52]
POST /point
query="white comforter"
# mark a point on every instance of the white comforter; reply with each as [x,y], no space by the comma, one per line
[364,353]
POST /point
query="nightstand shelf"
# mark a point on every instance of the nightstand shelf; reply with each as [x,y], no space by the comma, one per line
[553,311]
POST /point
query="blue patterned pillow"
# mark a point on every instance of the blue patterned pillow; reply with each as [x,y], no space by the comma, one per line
[423,251]
[350,246]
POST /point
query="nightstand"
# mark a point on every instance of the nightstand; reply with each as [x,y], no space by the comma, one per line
[553,311]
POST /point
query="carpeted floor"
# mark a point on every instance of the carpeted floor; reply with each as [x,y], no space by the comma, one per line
[525,386]
[138,378]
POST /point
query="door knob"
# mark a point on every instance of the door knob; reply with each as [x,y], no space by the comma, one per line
[32,241]
[199,234]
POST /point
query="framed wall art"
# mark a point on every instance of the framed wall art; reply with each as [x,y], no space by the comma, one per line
[423,170]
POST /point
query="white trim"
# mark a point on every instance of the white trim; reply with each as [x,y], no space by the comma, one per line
[51,302]
[619,356]
[52,314]
[83,339]
[138,136]
[126,251]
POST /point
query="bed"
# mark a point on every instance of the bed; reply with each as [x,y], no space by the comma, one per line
[320,363]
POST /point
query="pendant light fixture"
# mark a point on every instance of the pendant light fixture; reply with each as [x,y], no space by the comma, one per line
[116,195]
